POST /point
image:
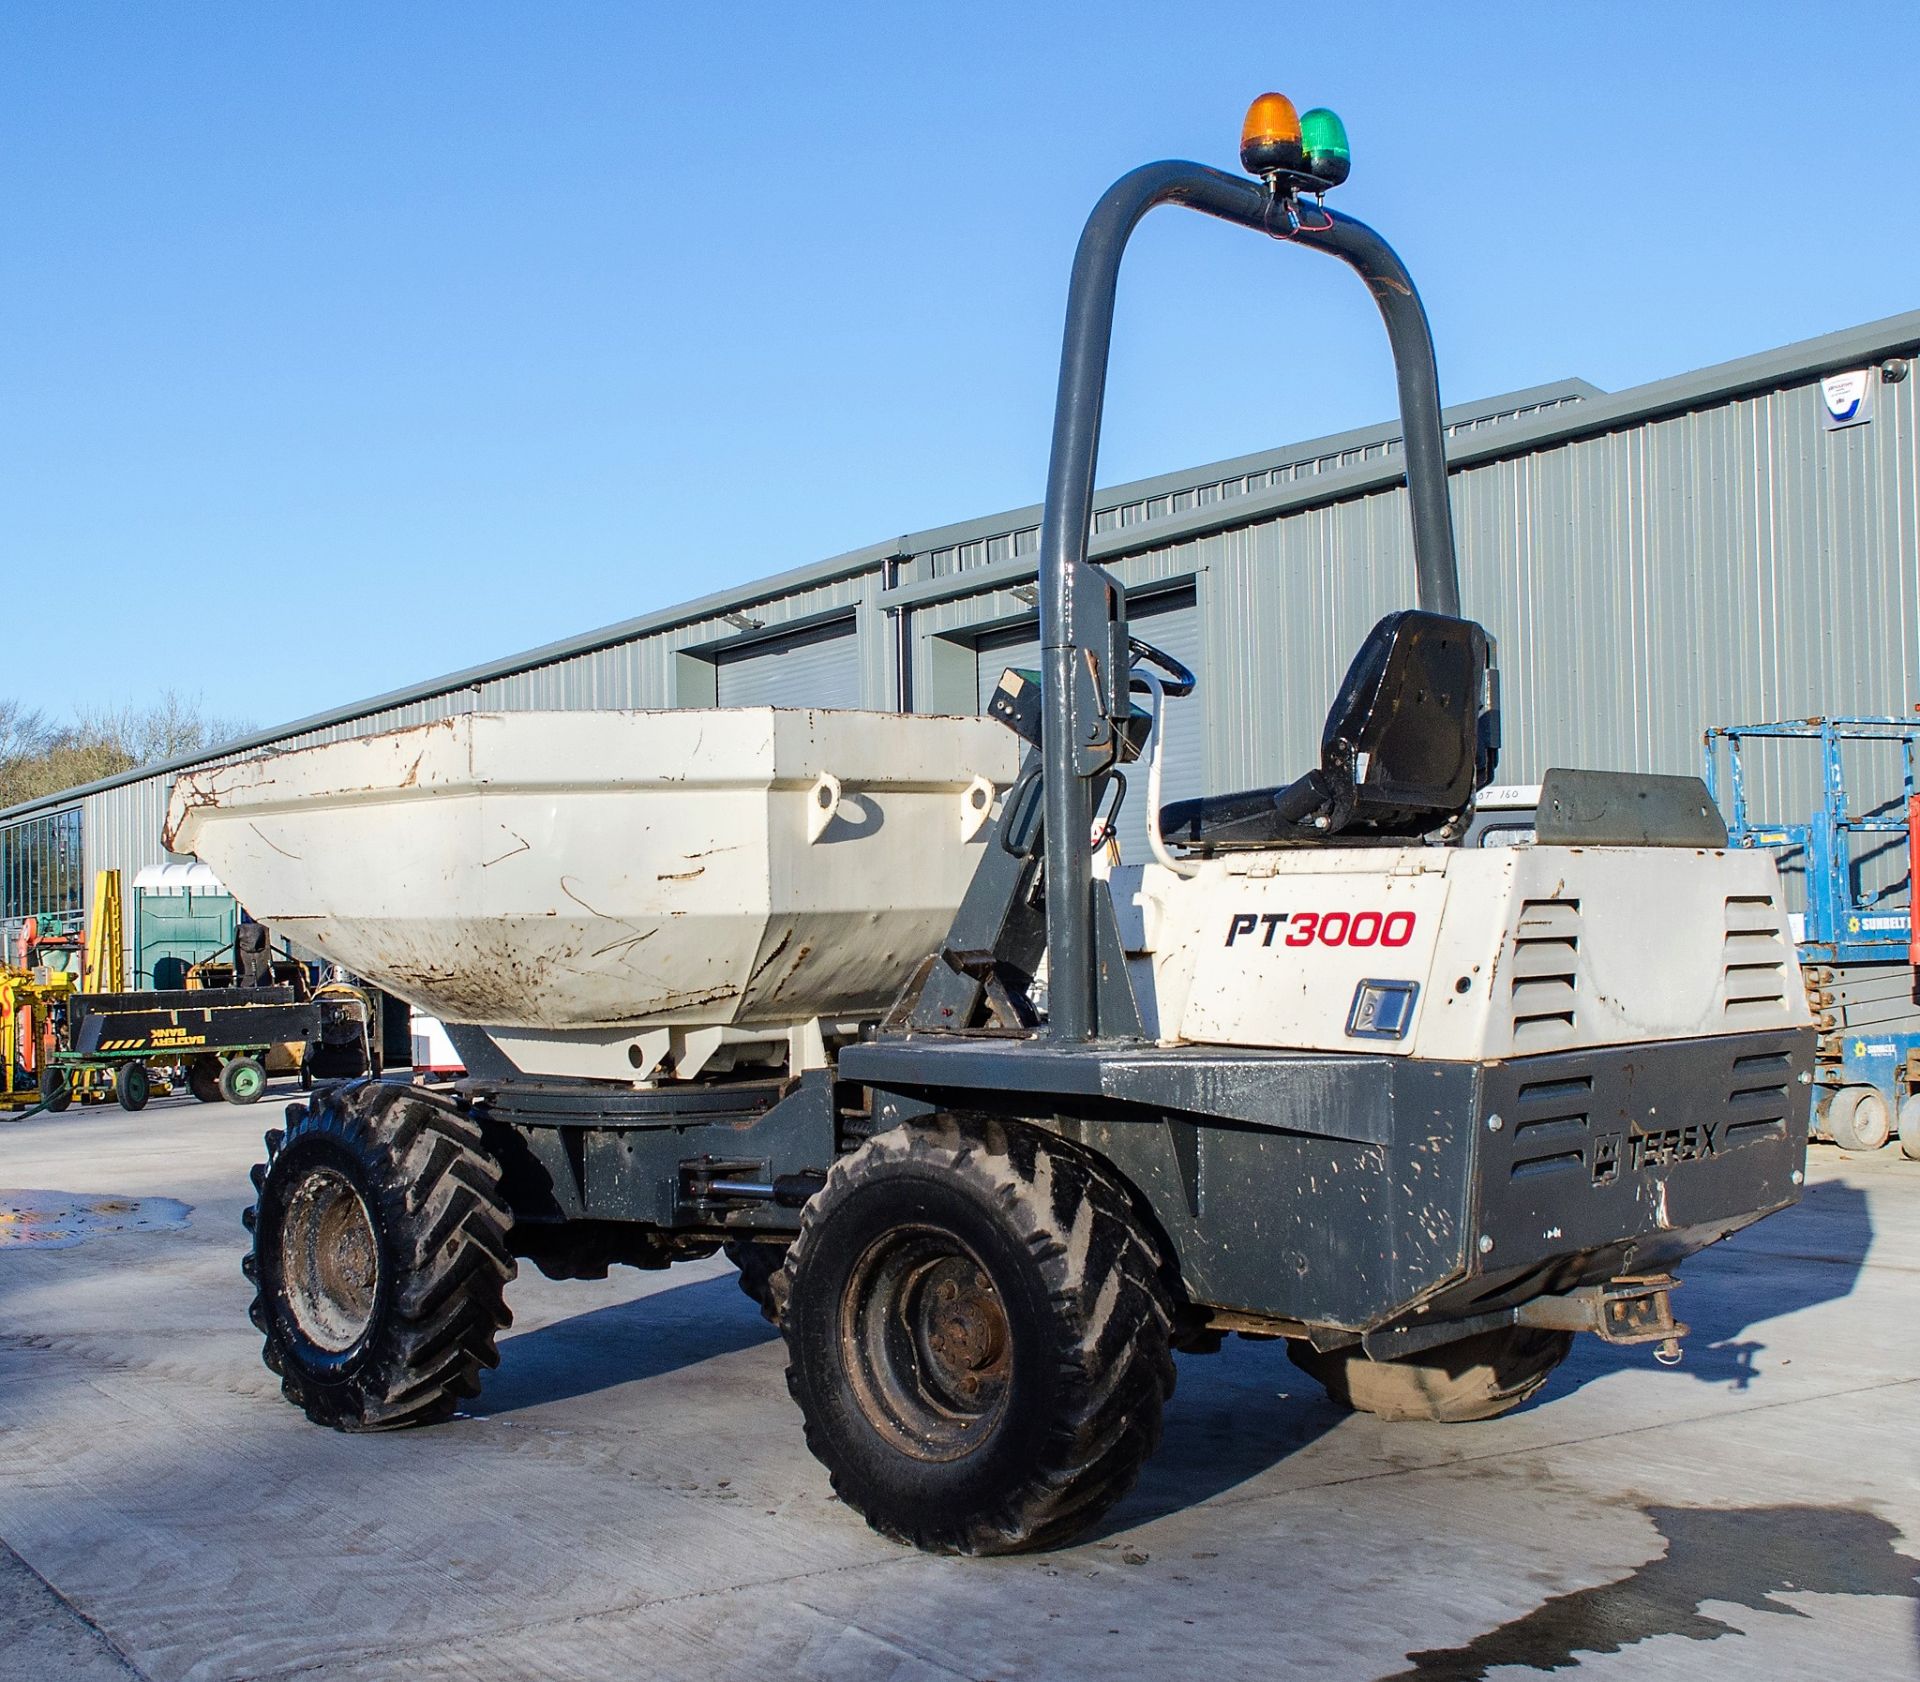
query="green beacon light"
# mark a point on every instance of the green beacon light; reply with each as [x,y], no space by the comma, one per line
[1323,137]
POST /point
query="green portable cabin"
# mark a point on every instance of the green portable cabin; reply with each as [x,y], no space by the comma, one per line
[182,913]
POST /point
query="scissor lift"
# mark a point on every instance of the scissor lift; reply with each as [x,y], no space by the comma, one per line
[1856,943]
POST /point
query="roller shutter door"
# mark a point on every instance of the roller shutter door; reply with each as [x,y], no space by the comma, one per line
[813,668]
[1171,622]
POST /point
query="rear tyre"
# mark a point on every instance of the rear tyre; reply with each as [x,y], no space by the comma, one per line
[55,1093]
[1910,1127]
[1478,1377]
[977,1332]
[762,1274]
[380,1259]
[1858,1119]
[243,1080]
[132,1086]
[203,1079]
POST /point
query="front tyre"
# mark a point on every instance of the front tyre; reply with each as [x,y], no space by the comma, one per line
[763,1275]
[1477,1377]
[977,1334]
[379,1258]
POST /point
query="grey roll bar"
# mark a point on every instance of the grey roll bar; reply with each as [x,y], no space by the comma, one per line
[1082,695]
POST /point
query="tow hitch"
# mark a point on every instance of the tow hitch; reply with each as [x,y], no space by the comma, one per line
[1636,1308]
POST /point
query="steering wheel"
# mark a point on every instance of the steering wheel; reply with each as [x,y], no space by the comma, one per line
[1179,681]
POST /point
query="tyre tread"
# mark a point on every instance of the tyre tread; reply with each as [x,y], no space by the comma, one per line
[445,1227]
[1114,1319]
[1479,1377]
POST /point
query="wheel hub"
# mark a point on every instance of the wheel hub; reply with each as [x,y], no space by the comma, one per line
[962,1330]
[329,1260]
[929,1345]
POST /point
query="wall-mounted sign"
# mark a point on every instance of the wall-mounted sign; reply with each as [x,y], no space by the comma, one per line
[1847,399]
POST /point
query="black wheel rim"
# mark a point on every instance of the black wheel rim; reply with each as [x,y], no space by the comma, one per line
[929,1345]
[329,1261]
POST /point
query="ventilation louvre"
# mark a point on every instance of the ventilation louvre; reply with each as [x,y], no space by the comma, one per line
[1754,962]
[1545,979]
[1551,1125]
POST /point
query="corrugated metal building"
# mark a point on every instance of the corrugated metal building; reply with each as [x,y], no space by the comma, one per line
[1701,550]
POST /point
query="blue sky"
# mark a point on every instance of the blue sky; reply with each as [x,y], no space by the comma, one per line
[351,344]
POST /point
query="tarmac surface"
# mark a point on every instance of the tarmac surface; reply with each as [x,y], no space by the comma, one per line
[631,1498]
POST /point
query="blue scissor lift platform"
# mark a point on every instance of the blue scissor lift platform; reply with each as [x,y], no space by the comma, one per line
[1856,943]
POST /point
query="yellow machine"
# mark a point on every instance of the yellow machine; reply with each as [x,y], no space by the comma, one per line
[31,1011]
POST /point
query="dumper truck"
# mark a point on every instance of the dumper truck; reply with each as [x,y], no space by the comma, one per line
[991,1126]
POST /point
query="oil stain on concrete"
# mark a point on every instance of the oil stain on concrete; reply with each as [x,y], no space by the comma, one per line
[1742,1556]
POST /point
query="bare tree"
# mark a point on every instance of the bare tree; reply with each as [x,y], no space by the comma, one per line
[164,728]
[22,731]
[40,757]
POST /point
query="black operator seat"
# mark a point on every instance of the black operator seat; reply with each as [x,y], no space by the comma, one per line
[1408,742]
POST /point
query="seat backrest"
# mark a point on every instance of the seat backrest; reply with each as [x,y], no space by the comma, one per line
[1403,744]
[252,958]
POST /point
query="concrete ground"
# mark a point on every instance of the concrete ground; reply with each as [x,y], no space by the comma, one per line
[631,1498]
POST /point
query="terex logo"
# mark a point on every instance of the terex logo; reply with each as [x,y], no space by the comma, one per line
[1327,928]
[1672,1144]
[1655,1149]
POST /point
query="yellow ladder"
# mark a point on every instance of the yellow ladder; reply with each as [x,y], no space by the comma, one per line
[104,968]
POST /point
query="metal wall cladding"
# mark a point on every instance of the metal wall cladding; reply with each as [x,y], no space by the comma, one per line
[819,667]
[1015,537]
[646,671]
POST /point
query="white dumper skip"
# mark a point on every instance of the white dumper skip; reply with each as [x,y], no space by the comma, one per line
[626,895]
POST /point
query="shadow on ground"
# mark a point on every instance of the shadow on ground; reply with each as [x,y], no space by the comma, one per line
[1798,1259]
[1234,1415]
[622,1343]
[1238,1413]
[1740,1556]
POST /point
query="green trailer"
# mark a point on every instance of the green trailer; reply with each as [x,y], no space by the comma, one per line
[216,1037]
